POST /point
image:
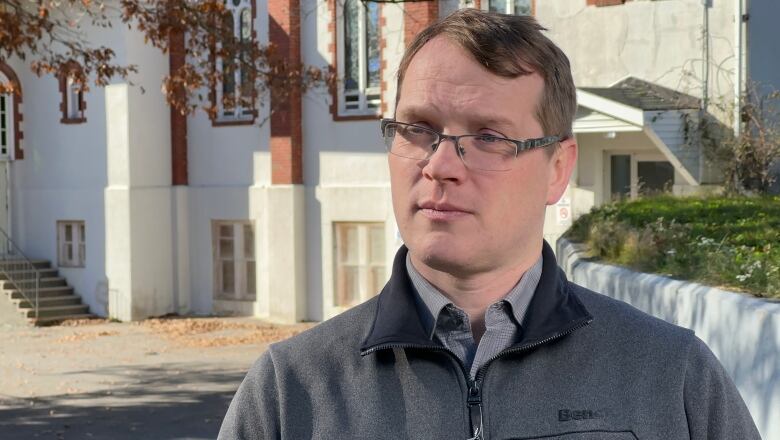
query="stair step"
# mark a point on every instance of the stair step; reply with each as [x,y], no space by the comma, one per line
[43,292]
[45,282]
[39,264]
[57,311]
[50,320]
[51,301]
[27,274]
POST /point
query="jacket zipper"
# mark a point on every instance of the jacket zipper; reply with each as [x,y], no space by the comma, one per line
[474,392]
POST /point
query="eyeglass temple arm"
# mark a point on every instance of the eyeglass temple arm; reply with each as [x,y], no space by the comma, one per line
[536,143]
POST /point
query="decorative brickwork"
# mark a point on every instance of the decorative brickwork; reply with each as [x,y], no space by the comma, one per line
[215,121]
[418,16]
[605,2]
[333,6]
[286,134]
[176,59]
[67,70]
[382,56]
[17,102]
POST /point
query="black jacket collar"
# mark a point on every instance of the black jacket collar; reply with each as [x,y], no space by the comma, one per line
[554,310]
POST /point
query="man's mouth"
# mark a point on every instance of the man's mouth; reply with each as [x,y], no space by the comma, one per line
[440,211]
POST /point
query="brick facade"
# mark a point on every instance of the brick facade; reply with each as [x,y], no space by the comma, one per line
[417,16]
[215,121]
[605,2]
[176,59]
[66,71]
[18,117]
[286,134]
[334,61]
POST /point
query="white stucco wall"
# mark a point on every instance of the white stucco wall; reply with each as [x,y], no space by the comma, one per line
[62,176]
[224,162]
[658,41]
[344,163]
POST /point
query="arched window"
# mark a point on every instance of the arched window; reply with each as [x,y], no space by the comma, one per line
[72,105]
[10,98]
[235,94]
[359,64]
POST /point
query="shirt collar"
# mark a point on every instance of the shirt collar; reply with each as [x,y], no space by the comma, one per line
[430,301]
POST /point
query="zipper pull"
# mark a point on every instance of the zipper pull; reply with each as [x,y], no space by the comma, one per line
[474,402]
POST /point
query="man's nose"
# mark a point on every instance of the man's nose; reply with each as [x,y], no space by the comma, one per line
[445,164]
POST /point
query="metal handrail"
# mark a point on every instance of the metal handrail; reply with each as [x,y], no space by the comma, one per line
[23,284]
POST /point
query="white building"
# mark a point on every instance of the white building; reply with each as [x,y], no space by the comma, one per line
[145,212]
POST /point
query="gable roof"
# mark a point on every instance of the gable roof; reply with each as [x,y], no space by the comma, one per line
[644,95]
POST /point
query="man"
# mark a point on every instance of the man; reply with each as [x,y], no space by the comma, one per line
[478,334]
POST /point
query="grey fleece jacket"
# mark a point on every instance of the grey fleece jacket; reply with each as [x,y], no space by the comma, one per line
[586,367]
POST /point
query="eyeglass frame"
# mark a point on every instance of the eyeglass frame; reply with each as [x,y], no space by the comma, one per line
[520,145]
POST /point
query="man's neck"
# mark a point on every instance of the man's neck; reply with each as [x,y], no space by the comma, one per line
[475,292]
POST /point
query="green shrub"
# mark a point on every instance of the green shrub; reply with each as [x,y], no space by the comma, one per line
[728,242]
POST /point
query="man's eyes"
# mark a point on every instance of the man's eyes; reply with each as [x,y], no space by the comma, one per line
[488,138]
[412,130]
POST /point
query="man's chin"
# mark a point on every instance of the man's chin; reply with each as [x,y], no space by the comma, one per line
[441,255]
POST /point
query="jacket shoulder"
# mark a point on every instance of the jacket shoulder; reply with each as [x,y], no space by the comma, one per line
[617,316]
[335,338]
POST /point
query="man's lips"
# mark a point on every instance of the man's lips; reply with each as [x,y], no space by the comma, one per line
[441,211]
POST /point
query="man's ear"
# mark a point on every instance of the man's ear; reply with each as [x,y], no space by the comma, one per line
[562,163]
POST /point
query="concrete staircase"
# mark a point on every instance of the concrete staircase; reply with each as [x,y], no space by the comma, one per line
[57,300]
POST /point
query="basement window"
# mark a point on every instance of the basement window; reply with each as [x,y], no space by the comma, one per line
[71,243]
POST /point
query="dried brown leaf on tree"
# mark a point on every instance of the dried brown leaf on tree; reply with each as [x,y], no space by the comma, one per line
[52,34]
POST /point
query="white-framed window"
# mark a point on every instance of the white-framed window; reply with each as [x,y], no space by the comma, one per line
[359,58]
[7,135]
[235,273]
[71,243]
[359,262]
[633,175]
[515,7]
[235,91]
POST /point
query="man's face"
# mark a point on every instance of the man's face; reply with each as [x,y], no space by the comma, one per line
[463,221]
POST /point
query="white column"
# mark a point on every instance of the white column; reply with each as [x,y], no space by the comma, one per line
[139,241]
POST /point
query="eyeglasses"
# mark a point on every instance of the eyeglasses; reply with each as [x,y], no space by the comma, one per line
[477,151]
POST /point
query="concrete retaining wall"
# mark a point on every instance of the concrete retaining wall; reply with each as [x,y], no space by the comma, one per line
[742,331]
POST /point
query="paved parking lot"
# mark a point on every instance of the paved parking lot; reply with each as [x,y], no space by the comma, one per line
[158,379]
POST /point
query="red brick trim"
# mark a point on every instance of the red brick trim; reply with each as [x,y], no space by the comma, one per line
[383,61]
[284,31]
[176,59]
[17,85]
[334,59]
[63,75]
[418,16]
[605,2]
[215,121]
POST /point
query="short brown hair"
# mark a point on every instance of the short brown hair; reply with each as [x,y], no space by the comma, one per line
[509,46]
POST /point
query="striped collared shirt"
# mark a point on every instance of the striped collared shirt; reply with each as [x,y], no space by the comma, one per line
[450,325]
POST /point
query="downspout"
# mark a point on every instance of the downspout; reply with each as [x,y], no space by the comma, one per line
[738,77]
[705,75]
[8,204]
[705,38]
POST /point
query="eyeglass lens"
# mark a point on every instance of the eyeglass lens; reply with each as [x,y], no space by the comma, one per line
[482,152]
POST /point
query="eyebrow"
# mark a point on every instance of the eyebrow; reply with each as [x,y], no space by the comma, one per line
[487,120]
